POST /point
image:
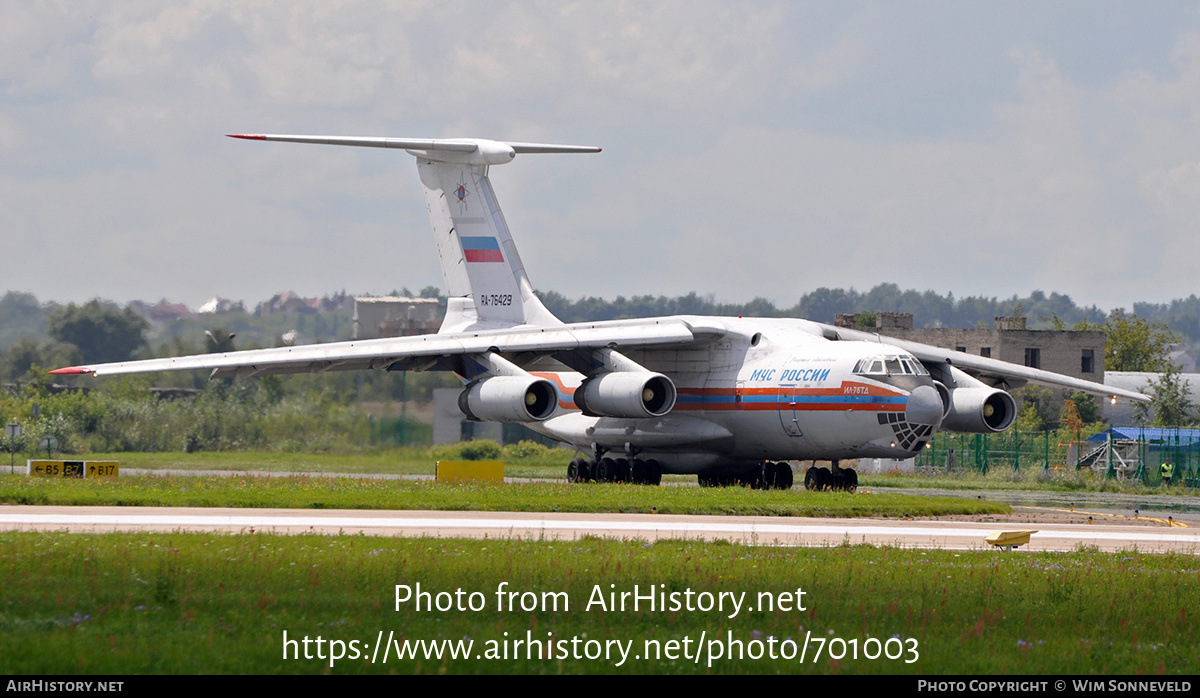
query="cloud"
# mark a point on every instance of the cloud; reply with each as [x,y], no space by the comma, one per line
[752,149]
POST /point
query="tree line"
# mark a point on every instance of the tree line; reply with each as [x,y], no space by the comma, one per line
[34,334]
[929,309]
[310,410]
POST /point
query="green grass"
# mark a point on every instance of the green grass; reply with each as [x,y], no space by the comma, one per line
[532,461]
[406,461]
[360,493]
[192,603]
[1027,479]
[528,462]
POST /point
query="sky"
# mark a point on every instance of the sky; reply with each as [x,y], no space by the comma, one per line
[749,149]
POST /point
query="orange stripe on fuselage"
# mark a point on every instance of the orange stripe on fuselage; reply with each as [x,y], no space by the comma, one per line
[563,390]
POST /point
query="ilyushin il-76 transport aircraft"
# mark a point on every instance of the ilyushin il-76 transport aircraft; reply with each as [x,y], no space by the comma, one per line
[728,399]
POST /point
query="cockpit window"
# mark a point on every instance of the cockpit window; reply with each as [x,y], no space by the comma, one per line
[870,367]
[890,366]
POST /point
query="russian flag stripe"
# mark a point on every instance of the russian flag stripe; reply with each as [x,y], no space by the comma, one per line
[481,249]
[482,242]
[483,255]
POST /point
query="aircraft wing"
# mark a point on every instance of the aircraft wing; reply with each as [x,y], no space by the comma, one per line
[999,374]
[419,352]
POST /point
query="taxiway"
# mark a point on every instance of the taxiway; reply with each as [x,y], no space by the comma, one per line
[751,530]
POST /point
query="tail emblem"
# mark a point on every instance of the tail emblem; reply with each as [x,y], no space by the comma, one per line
[462,193]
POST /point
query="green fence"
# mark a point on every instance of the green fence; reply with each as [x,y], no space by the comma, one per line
[394,431]
[1129,453]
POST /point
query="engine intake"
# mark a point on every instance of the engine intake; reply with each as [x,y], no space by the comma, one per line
[632,395]
[509,399]
[978,410]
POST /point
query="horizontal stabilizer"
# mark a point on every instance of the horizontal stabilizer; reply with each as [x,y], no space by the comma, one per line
[551,148]
[453,145]
[467,151]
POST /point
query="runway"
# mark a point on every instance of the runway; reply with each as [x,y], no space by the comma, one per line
[749,530]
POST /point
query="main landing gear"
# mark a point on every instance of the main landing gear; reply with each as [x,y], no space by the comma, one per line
[834,478]
[635,471]
[763,476]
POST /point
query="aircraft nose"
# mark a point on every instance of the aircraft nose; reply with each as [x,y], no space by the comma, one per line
[924,406]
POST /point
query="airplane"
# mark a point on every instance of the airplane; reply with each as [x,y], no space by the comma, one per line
[731,400]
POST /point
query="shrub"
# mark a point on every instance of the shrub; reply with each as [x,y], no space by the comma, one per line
[480,450]
[527,449]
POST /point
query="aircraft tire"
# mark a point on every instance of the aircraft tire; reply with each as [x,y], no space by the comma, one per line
[588,471]
[767,473]
[755,479]
[784,479]
[575,470]
[851,480]
[638,472]
[621,470]
[813,479]
[653,472]
[604,470]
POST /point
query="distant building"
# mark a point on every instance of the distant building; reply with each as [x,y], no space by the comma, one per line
[290,302]
[1074,353]
[161,311]
[395,316]
[287,302]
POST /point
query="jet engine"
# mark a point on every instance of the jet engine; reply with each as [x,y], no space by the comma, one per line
[509,399]
[633,394]
[979,410]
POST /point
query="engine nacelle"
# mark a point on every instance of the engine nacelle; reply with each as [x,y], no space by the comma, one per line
[509,399]
[631,394]
[977,410]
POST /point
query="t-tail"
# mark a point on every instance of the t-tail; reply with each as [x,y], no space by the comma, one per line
[485,279]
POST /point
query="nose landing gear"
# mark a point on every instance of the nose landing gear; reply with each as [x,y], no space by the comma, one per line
[835,478]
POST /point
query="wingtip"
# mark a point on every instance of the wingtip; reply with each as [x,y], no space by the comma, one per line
[246,136]
[70,371]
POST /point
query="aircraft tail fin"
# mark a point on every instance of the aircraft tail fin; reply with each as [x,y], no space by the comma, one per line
[485,278]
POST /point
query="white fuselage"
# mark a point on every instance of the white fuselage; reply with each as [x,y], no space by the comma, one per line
[769,390]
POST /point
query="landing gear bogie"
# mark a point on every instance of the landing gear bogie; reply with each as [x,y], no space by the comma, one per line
[636,471]
[763,476]
[837,480]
